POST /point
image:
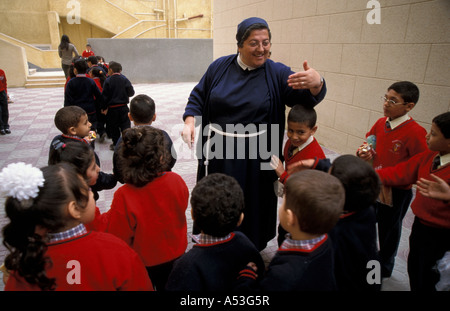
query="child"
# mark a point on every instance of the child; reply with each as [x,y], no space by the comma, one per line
[397,138]
[4,111]
[99,75]
[430,233]
[142,113]
[88,52]
[82,157]
[301,144]
[212,264]
[82,91]
[148,212]
[354,237]
[116,93]
[74,125]
[50,248]
[311,207]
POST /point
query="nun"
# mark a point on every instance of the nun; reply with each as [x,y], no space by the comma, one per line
[239,107]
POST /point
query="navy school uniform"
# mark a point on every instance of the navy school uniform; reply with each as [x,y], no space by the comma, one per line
[82,91]
[213,267]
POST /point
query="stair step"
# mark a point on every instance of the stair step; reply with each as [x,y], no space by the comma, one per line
[42,85]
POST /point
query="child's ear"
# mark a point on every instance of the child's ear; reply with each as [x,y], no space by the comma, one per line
[154,118]
[72,131]
[241,219]
[313,130]
[130,117]
[73,210]
[291,218]
[410,106]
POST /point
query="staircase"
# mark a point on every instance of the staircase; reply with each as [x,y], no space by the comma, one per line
[45,79]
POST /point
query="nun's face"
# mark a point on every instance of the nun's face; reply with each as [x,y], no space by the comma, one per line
[255,50]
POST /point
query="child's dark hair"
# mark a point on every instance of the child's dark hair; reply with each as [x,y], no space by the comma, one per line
[92,59]
[78,154]
[67,117]
[115,66]
[442,121]
[71,72]
[361,183]
[143,155]
[99,73]
[301,114]
[80,65]
[407,90]
[217,202]
[27,248]
[316,198]
[142,109]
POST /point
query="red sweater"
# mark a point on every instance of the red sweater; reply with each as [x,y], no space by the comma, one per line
[431,212]
[3,84]
[397,145]
[312,151]
[103,262]
[152,219]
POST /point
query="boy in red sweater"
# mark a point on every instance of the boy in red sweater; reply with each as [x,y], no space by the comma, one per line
[301,145]
[397,138]
[4,112]
[430,234]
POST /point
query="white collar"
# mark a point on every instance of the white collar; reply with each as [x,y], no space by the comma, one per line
[242,65]
[445,159]
[396,122]
[306,143]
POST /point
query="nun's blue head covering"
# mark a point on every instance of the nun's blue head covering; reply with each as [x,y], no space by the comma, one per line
[243,26]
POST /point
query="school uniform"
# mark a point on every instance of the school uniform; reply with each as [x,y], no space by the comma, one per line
[117,90]
[82,91]
[4,111]
[430,234]
[101,118]
[89,261]
[295,267]
[355,244]
[396,141]
[152,219]
[213,265]
[87,53]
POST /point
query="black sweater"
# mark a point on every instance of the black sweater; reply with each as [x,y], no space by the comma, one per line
[294,270]
[213,267]
[117,90]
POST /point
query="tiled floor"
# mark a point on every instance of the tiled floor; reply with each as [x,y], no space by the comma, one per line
[31,120]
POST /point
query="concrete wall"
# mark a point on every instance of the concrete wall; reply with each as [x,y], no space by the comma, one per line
[13,61]
[358,60]
[157,60]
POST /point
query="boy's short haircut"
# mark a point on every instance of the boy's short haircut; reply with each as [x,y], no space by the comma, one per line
[361,183]
[316,198]
[301,114]
[92,59]
[142,109]
[217,202]
[442,121]
[115,66]
[68,117]
[80,65]
[407,90]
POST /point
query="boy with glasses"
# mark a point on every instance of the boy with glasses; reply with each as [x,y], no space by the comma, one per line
[397,137]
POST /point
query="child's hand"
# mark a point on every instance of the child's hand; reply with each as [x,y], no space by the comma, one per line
[104,111]
[365,152]
[300,166]
[437,189]
[276,164]
[253,266]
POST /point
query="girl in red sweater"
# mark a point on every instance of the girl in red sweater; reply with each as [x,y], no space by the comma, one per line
[149,211]
[49,246]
